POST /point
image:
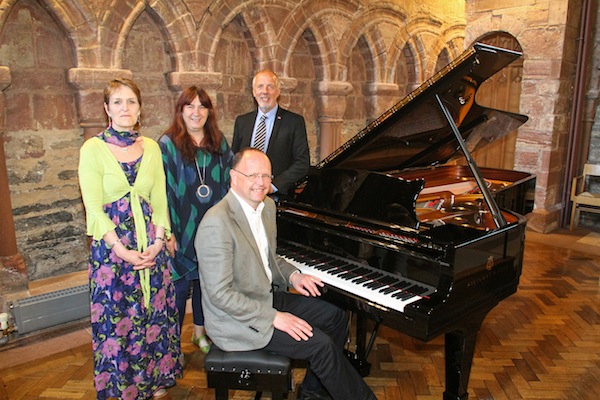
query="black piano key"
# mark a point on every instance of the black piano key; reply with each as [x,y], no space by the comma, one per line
[384,281]
[349,272]
[358,273]
[419,290]
[374,285]
[367,277]
[326,267]
[389,280]
[399,286]
[389,289]
[354,270]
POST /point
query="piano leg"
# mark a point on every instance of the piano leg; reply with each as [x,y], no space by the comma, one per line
[362,349]
[460,347]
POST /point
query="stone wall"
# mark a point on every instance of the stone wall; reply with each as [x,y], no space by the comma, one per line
[342,63]
[548,32]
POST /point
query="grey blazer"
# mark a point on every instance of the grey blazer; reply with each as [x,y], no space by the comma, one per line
[237,297]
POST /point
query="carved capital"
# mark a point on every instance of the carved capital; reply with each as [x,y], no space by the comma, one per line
[288,85]
[332,88]
[331,98]
[208,81]
[380,97]
[95,78]
[381,89]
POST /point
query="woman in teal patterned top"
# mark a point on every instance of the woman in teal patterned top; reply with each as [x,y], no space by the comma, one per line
[197,159]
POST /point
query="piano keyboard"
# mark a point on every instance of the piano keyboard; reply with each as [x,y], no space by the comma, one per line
[376,286]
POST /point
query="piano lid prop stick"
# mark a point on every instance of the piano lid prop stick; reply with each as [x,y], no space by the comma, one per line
[493,206]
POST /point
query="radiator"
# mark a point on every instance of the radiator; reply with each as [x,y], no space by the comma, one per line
[51,309]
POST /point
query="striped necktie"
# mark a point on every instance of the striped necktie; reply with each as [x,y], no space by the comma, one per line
[261,134]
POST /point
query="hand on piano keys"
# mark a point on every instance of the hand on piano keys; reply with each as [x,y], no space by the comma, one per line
[307,285]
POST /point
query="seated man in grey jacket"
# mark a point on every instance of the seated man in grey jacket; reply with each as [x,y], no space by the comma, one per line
[236,244]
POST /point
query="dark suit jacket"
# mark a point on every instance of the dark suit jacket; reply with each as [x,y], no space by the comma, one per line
[288,146]
[237,298]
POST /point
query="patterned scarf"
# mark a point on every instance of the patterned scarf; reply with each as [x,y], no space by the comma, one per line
[121,139]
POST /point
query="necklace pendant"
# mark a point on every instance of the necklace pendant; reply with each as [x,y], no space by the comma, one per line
[124,149]
[203,191]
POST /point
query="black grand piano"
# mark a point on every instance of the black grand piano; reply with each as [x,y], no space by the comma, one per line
[405,239]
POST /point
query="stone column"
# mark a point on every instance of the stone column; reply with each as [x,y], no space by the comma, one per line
[331,102]
[90,84]
[380,97]
[13,270]
[209,81]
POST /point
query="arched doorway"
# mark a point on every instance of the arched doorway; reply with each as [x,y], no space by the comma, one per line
[502,91]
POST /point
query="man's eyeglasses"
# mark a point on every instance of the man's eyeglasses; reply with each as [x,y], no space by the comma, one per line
[263,177]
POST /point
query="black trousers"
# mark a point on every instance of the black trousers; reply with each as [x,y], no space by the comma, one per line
[324,350]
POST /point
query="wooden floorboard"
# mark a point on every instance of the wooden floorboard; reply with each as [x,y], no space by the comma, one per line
[541,343]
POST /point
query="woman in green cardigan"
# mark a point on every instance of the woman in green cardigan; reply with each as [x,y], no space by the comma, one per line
[135,330]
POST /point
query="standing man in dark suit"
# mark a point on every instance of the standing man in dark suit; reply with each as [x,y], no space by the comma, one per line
[286,143]
[244,297]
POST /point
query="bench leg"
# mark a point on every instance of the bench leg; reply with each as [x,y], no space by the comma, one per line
[258,396]
[279,395]
[221,394]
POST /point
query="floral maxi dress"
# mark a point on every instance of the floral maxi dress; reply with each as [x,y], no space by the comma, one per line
[136,349]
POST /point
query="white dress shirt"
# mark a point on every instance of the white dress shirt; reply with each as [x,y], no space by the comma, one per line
[254,218]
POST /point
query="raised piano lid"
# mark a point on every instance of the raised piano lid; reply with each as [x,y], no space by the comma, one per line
[414,133]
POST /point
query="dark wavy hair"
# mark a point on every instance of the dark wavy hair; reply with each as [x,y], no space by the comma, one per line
[177,132]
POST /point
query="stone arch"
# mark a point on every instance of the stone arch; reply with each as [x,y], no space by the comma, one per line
[173,19]
[500,39]
[320,49]
[180,30]
[409,48]
[42,137]
[454,37]
[75,19]
[260,31]
[116,24]
[262,35]
[366,26]
[425,32]
[516,27]
[311,16]
[443,58]
[442,53]
[402,48]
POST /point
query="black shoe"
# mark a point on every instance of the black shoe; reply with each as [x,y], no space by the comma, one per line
[320,394]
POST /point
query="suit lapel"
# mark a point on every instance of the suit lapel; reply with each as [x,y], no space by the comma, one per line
[250,129]
[239,218]
[276,126]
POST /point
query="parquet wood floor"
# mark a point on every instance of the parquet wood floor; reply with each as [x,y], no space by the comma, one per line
[541,343]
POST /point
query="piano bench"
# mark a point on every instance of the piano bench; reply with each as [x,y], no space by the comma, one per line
[256,370]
